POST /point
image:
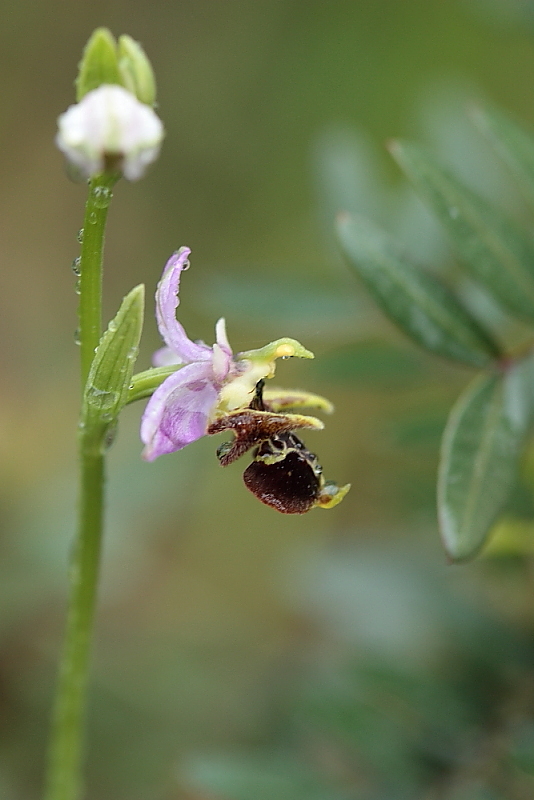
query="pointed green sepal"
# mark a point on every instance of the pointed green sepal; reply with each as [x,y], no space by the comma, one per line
[136,70]
[99,63]
[261,364]
[281,348]
[107,387]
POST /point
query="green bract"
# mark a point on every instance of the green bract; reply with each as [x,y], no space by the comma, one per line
[136,71]
[99,63]
[107,387]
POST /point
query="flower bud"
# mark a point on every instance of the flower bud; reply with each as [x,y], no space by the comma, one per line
[136,70]
[109,131]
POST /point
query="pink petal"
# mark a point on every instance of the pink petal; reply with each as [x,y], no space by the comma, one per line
[179,410]
[221,363]
[165,357]
[221,338]
[167,302]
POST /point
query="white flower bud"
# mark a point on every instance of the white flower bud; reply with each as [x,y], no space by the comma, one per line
[110,129]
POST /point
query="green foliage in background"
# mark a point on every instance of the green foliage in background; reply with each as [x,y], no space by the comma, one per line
[489,426]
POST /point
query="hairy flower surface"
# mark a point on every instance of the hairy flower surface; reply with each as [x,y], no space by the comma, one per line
[110,129]
[214,390]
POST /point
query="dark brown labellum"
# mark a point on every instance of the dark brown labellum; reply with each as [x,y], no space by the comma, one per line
[292,483]
[284,474]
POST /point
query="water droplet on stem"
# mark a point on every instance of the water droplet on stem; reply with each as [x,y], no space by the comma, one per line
[102,398]
[101,196]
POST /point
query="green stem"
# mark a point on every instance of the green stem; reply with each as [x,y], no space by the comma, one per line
[65,757]
[90,309]
[63,779]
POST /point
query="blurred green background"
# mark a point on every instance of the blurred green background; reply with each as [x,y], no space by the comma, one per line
[241,654]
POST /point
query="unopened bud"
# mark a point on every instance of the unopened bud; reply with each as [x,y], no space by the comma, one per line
[110,131]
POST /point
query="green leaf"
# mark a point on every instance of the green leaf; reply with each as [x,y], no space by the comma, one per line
[480,451]
[421,306]
[512,141]
[111,372]
[492,249]
[99,63]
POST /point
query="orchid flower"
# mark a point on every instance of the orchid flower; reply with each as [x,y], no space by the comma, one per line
[214,389]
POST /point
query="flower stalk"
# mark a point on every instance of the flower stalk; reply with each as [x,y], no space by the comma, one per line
[105,394]
[63,779]
[90,267]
